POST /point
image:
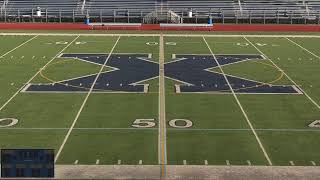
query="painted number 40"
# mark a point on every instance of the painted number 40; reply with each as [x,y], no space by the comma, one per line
[149,123]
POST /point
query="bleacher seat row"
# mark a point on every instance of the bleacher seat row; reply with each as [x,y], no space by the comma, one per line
[236,6]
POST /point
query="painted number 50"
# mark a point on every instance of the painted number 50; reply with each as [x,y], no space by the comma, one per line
[144,123]
[175,123]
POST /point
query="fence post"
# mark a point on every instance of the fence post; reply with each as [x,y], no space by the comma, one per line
[128,15]
[19,16]
[182,17]
[182,14]
[101,16]
[222,13]
[305,19]
[73,16]
[88,16]
[59,15]
[46,15]
[236,16]
[32,17]
[196,15]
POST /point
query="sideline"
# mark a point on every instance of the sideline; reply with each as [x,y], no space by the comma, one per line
[157,35]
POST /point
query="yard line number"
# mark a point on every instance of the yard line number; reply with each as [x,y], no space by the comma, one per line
[8,122]
[258,44]
[149,123]
[66,42]
[156,43]
[84,42]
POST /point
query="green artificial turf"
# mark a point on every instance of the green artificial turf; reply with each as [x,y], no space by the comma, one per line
[222,124]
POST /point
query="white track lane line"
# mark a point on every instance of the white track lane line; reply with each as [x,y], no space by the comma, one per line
[18,46]
[314,102]
[15,94]
[157,35]
[238,102]
[84,102]
[303,48]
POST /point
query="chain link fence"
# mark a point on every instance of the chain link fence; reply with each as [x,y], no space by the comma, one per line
[198,16]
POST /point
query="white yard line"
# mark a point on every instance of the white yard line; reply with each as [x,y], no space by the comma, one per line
[171,129]
[19,46]
[238,35]
[314,102]
[44,128]
[162,113]
[156,35]
[15,94]
[84,102]
[303,48]
[239,129]
[238,102]
[76,34]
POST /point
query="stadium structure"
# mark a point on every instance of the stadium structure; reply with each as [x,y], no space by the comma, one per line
[168,11]
[160,89]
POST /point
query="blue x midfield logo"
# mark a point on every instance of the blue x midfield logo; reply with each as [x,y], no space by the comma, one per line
[131,71]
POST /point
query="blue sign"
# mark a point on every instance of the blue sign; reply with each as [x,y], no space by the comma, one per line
[27,163]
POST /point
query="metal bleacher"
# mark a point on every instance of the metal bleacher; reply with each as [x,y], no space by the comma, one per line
[271,5]
[121,4]
[313,5]
[223,9]
[220,4]
[50,4]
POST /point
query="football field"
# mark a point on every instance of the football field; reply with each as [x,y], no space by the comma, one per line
[162,98]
